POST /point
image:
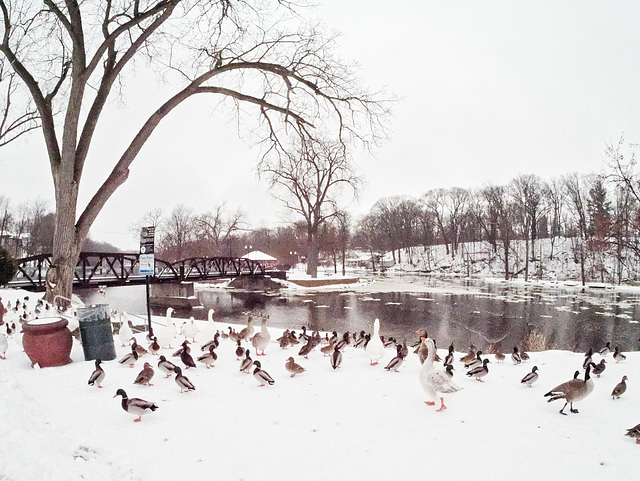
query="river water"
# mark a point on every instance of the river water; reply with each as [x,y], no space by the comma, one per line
[458,311]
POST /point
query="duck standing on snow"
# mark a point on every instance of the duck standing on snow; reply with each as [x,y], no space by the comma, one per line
[98,375]
[515,356]
[475,362]
[136,406]
[587,358]
[247,362]
[634,432]
[336,357]
[293,367]
[261,376]
[165,366]
[600,367]
[145,376]
[606,350]
[183,381]
[154,347]
[209,358]
[618,356]
[261,339]
[572,391]
[620,388]
[448,359]
[130,358]
[530,378]
[239,351]
[480,371]
[375,348]
[470,356]
[397,361]
[185,357]
[435,382]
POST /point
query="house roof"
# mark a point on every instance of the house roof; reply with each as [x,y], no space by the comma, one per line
[258,256]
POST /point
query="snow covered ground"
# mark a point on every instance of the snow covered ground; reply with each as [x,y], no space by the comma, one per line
[356,422]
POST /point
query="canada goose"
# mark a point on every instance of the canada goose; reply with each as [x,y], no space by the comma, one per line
[572,391]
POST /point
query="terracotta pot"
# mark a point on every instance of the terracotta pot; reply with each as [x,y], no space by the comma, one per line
[47,342]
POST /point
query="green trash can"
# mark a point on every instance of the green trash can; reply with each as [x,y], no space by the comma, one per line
[96,332]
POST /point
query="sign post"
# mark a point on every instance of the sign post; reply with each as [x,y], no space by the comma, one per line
[147,264]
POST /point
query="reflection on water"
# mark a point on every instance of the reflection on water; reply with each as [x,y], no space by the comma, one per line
[471,312]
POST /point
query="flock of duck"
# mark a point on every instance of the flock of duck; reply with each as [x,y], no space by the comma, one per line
[436,375]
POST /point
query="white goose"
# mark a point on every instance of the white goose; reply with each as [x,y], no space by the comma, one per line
[125,334]
[190,329]
[208,331]
[435,382]
[375,347]
[167,334]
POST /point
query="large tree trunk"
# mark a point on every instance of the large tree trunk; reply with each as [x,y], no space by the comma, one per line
[67,243]
[312,253]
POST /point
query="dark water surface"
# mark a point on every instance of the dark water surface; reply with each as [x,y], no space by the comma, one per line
[462,312]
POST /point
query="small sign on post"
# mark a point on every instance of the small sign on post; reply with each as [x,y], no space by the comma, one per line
[147,263]
[147,259]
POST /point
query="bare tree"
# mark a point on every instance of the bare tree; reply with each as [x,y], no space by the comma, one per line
[180,228]
[312,182]
[527,194]
[72,55]
[215,228]
[13,124]
[576,193]
[501,208]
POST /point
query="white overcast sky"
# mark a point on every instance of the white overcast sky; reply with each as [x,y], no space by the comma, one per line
[488,90]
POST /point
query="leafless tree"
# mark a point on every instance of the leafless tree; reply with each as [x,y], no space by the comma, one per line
[527,194]
[15,120]
[577,194]
[215,228]
[179,232]
[260,55]
[311,183]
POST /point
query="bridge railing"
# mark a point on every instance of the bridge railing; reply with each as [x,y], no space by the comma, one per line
[121,268]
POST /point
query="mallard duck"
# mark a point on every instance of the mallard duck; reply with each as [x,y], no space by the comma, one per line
[247,362]
[448,359]
[336,357]
[375,348]
[471,355]
[397,361]
[448,370]
[328,349]
[475,363]
[98,375]
[154,347]
[239,351]
[145,376]
[479,372]
[261,376]
[421,348]
[359,342]
[515,356]
[136,406]
[261,339]
[572,391]
[618,356]
[130,358]
[307,348]
[209,358]
[183,381]
[620,388]
[126,333]
[166,367]
[284,340]
[213,342]
[524,356]
[435,382]
[530,378]
[600,367]
[138,348]
[499,356]
[606,350]
[344,342]
[185,357]
[292,367]
[634,432]
[587,358]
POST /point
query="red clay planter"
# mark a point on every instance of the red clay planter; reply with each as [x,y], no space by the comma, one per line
[47,342]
